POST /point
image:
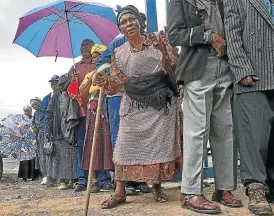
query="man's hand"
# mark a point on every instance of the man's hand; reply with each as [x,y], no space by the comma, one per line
[219,44]
[74,77]
[249,80]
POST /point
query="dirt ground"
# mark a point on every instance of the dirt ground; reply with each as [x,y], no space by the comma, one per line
[31,199]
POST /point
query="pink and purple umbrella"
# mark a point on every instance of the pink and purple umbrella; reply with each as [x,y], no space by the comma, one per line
[59,28]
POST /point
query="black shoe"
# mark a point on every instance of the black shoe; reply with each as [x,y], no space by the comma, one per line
[107,187]
[80,188]
[131,191]
[95,188]
[270,196]
[145,188]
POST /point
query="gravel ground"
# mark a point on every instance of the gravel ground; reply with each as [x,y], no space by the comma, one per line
[31,199]
[19,198]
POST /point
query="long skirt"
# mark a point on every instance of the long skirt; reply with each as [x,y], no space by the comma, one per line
[154,173]
[148,147]
[63,164]
[40,156]
[103,151]
[27,170]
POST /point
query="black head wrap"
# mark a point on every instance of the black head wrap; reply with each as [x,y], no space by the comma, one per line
[134,11]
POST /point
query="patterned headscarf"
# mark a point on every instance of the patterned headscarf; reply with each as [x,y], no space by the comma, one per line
[134,11]
[98,49]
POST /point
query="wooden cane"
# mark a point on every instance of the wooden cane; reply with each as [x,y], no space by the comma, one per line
[94,144]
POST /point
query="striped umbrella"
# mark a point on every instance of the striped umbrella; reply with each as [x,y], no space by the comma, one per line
[59,28]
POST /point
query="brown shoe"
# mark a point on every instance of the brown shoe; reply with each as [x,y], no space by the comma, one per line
[257,199]
[199,204]
[227,199]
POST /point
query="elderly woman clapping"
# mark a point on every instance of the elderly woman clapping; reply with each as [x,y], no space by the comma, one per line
[148,144]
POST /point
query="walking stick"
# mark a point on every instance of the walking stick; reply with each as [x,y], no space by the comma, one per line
[94,144]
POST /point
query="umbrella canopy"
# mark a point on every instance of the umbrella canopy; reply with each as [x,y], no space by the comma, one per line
[17,138]
[59,28]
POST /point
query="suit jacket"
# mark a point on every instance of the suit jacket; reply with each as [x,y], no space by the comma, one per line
[250,40]
[186,29]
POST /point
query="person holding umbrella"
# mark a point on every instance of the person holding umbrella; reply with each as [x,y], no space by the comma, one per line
[78,73]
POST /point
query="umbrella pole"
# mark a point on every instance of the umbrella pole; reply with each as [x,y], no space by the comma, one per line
[74,67]
[94,144]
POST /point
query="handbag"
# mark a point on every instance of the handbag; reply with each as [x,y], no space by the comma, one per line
[49,148]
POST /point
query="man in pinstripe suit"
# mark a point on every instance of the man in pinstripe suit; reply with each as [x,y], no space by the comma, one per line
[197,26]
[250,39]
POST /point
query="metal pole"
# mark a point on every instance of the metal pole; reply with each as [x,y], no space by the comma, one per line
[151,12]
[66,12]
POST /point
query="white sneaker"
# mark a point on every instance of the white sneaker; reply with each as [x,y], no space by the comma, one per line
[44,181]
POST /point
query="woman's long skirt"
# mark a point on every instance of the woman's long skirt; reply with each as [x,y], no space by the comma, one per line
[148,147]
[63,164]
[103,151]
[27,170]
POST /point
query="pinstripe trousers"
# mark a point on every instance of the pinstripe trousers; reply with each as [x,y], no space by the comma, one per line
[208,117]
[253,114]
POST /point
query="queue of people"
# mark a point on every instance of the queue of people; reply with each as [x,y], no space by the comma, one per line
[225,71]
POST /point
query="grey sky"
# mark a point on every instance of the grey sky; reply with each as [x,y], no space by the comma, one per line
[24,76]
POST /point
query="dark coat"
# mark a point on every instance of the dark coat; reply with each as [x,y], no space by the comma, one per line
[62,119]
[186,29]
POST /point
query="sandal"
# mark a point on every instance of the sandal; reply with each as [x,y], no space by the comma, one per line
[159,195]
[113,202]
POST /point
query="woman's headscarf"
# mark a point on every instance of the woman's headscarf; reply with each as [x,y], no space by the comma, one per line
[97,48]
[134,11]
[35,100]
[27,108]
[64,82]
[35,103]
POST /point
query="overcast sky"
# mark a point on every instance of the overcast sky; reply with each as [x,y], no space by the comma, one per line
[24,76]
